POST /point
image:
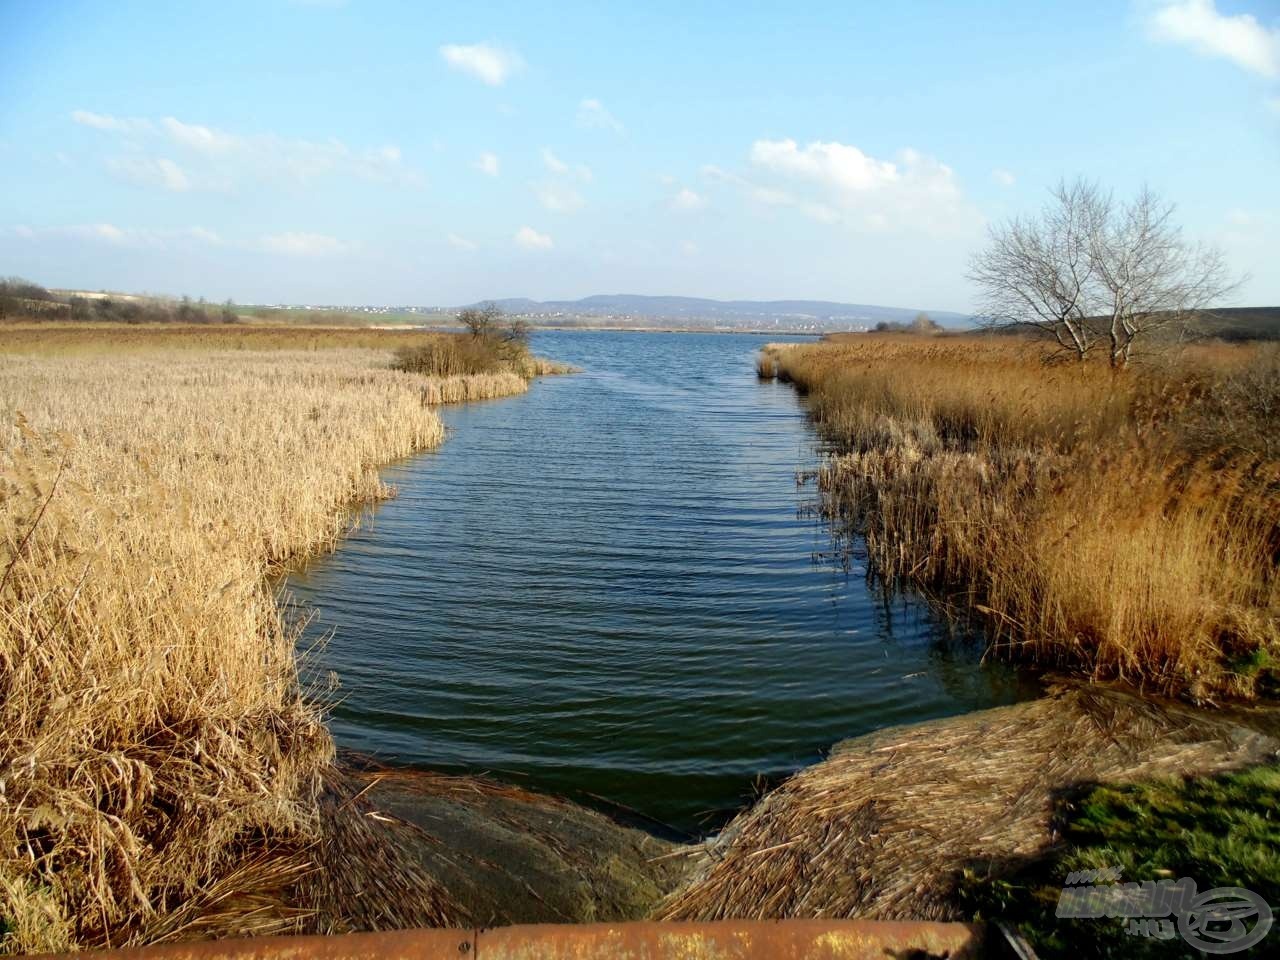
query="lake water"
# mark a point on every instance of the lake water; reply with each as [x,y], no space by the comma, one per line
[608,588]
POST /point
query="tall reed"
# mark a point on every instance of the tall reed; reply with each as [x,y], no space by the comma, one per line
[161,764]
[1117,524]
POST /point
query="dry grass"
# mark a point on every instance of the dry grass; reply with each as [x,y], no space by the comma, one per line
[161,767]
[886,826]
[96,338]
[1124,525]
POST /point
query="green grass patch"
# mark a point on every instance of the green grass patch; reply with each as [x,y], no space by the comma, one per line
[1221,831]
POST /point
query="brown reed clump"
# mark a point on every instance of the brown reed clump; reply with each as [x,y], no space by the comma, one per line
[1126,525]
[162,768]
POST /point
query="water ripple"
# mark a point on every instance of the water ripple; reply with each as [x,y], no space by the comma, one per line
[606,586]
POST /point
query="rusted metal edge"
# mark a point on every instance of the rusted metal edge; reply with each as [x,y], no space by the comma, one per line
[643,940]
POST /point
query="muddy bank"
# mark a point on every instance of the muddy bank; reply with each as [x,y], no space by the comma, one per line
[883,828]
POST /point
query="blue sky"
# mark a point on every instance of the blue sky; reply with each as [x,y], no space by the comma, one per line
[379,152]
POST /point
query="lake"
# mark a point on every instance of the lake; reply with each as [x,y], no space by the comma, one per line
[609,588]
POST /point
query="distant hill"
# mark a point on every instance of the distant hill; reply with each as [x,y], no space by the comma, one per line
[1240,323]
[1232,324]
[824,312]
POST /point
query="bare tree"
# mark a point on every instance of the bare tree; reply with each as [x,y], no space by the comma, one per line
[505,337]
[1038,272]
[1149,280]
[481,321]
[488,320]
[1090,274]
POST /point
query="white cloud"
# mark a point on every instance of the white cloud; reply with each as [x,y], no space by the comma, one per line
[593,113]
[104,121]
[531,239]
[1240,38]
[216,159]
[102,231]
[552,162]
[124,236]
[157,172]
[200,233]
[488,64]
[302,244]
[1003,177]
[462,243]
[200,138]
[558,197]
[832,182]
[686,200]
[689,248]
[836,164]
[107,233]
[488,164]
[721,175]
[557,194]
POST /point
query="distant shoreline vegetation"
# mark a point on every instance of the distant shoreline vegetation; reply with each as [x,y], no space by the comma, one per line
[23,301]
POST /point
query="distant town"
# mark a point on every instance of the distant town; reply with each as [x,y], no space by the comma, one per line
[628,312]
[444,316]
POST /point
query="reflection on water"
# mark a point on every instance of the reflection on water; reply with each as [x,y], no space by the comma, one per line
[607,587]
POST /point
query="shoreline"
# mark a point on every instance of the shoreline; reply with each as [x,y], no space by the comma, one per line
[761,863]
[400,834]
[746,854]
[920,803]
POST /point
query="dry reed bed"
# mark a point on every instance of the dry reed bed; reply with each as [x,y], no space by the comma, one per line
[885,827]
[161,767]
[1122,525]
[90,338]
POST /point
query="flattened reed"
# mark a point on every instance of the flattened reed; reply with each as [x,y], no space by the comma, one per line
[885,827]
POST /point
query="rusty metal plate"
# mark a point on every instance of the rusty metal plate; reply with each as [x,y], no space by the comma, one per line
[732,940]
[722,940]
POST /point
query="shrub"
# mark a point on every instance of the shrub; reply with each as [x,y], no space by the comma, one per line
[460,355]
[493,343]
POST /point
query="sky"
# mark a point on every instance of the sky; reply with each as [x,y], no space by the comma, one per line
[367,152]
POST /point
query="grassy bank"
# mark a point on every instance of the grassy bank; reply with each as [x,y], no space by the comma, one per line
[161,765]
[1219,831]
[1124,525]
